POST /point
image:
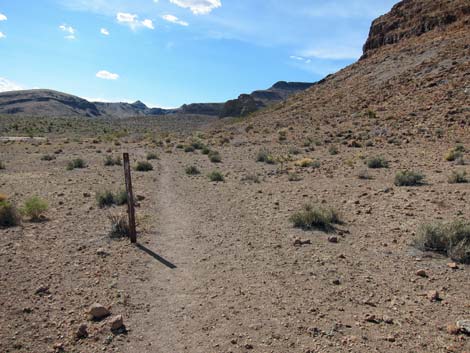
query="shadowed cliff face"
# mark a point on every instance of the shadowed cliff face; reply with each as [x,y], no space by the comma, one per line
[411,18]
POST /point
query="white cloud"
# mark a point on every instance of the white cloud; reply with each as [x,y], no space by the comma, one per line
[174,19]
[2,35]
[333,53]
[104,31]
[198,7]
[106,75]
[133,21]
[69,30]
[3,17]
[7,85]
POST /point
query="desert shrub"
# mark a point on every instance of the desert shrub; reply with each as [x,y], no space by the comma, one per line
[197,145]
[408,178]
[143,166]
[315,217]
[214,157]
[48,157]
[454,154]
[294,177]
[189,148]
[151,156]
[120,198]
[333,150]
[254,178]
[307,162]
[294,151]
[2,165]
[110,161]
[206,150]
[119,226]
[216,176]
[105,199]
[9,216]
[377,162]
[282,135]
[192,170]
[265,156]
[34,208]
[77,163]
[451,239]
[458,177]
[364,174]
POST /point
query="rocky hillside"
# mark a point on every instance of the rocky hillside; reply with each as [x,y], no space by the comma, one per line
[249,103]
[413,80]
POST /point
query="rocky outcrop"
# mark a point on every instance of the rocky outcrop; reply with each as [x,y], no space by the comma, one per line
[412,18]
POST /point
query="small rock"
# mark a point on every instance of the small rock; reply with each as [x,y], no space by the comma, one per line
[464,326]
[42,290]
[453,265]
[421,273]
[433,295]
[336,282]
[82,332]
[453,329]
[248,346]
[86,194]
[98,311]
[116,322]
[102,252]
[300,242]
[333,239]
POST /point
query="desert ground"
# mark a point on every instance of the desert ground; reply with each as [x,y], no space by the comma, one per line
[219,266]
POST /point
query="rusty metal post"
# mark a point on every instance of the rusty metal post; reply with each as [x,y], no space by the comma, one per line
[130,198]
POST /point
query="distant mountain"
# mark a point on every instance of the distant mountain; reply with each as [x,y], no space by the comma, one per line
[249,103]
[43,102]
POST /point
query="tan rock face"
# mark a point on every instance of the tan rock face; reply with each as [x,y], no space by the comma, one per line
[98,311]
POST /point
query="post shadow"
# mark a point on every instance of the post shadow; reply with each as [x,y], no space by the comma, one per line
[156,256]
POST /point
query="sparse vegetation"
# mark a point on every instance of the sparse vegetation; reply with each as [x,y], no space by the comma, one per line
[189,148]
[110,161]
[458,177]
[294,177]
[34,208]
[408,178]
[254,178]
[2,165]
[455,153]
[9,216]
[216,176]
[333,150]
[119,226]
[265,156]
[214,157]
[451,239]
[307,162]
[205,150]
[77,163]
[108,198]
[143,166]
[192,170]
[377,162]
[364,174]
[152,156]
[316,217]
[48,157]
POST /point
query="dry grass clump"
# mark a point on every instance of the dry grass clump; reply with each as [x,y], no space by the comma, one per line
[408,178]
[458,177]
[455,153]
[151,156]
[216,176]
[34,208]
[451,239]
[107,198]
[214,157]
[119,226]
[109,161]
[316,217]
[377,162]
[9,216]
[76,163]
[192,170]
[307,162]
[48,157]
[2,165]
[143,166]
[265,156]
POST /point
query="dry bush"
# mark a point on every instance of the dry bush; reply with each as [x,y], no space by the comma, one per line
[316,217]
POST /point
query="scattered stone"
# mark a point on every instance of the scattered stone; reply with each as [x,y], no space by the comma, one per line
[421,273]
[58,347]
[86,194]
[116,323]
[433,295]
[372,318]
[336,282]
[43,290]
[82,332]
[300,242]
[453,329]
[102,252]
[464,326]
[453,265]
[98,311]
[333,239]
[248,346]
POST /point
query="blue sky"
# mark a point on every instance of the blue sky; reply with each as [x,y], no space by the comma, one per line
[170,52]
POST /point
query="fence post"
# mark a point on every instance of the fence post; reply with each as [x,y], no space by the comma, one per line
[130,199]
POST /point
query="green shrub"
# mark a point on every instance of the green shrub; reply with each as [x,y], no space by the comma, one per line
[151,156]
[408,178]
[77,163]
[34,208]
[9,216]
[216,176]
[197,145]
[2,165]
[454,154]
[48,157]
[120,198]
[192,170]
[316,217]
[377,162]
[451,239]
[189,149]
[143,166]
[206,150]
[110,161]
[265,156]
[458,177]
[105,199]
[214,157]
